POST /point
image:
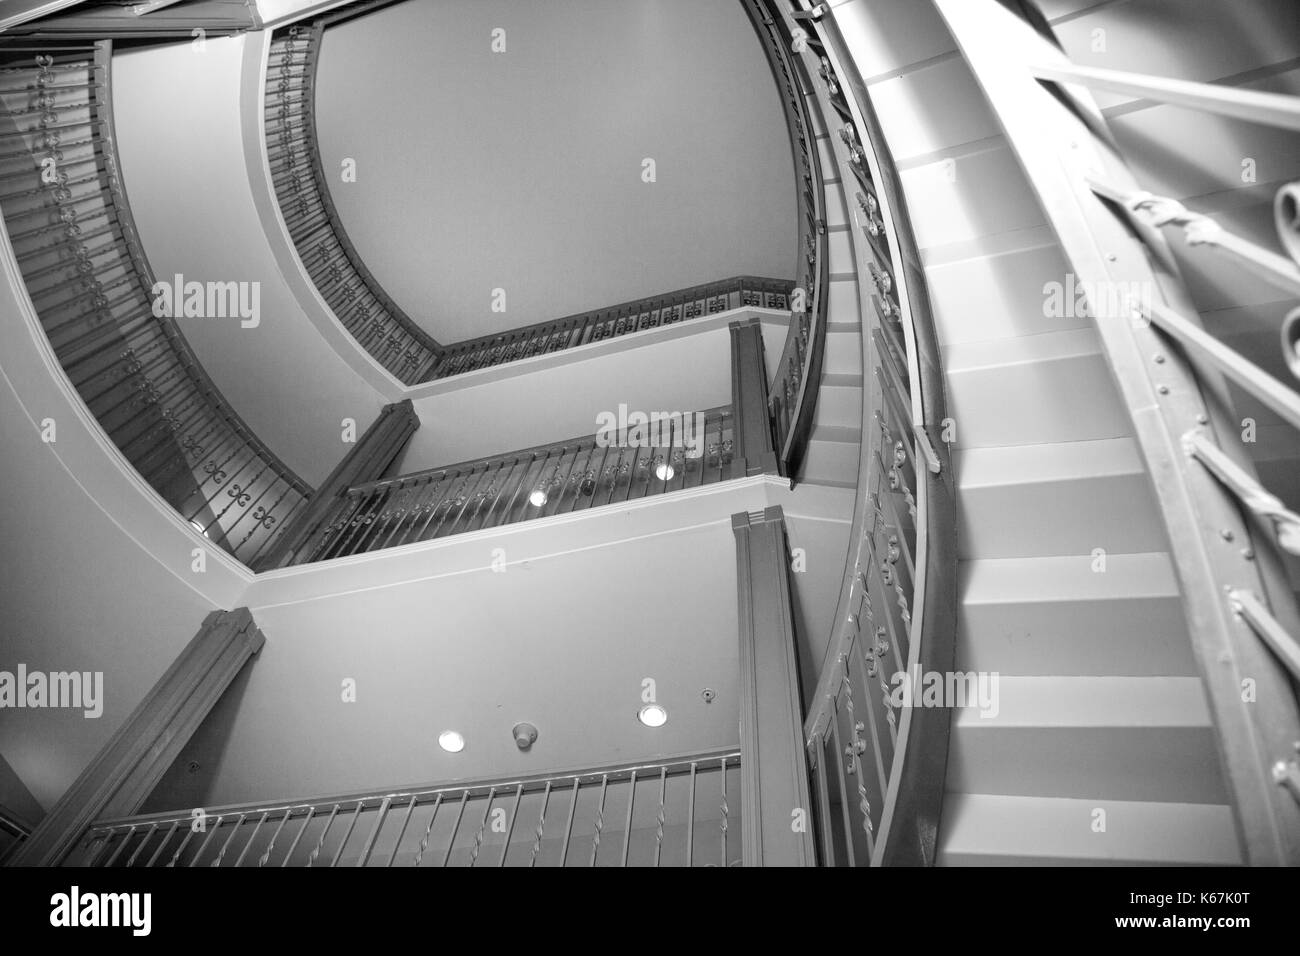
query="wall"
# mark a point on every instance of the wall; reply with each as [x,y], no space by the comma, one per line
[95,569]
[563,638]
[183,164]
[522,170]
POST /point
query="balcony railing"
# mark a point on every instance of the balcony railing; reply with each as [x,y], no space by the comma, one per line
[597,325]
[793,393]
[375,322]
[1228,532]
[683,451]
[877,769]
[677,812]
[81,260]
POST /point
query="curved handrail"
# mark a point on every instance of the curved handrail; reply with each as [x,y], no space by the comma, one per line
[793,394]
[354,295]
[897,606]
[68,219]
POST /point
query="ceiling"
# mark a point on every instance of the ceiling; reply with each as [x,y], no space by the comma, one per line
[522,170]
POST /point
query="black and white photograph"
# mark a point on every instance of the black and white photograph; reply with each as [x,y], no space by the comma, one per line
[643,434]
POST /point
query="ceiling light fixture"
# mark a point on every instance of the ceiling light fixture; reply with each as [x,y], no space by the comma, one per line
[652,715]
[451,741]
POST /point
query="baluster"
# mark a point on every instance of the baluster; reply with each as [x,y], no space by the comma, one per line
[600,818]
[455,826]
[541,825]
[482,828]
[424,842]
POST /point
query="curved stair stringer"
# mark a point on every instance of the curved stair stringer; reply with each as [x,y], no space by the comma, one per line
[1101,747]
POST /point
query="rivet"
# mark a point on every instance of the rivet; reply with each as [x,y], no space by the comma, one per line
[1163,389]
[1160,360]
[1248,554]
[1202,419]
[1111,257]
[1226,534]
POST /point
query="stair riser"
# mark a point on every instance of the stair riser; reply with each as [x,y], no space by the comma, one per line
[1060,400]
[1142,637]
[1115,513]
[1165,764]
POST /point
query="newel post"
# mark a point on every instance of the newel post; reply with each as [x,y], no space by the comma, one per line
[755,451]
[125,771]
[367,460]
[776,802]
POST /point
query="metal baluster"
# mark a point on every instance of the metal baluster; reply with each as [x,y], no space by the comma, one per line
[247,846]
[455,827]
[660,817]
[406,820]
[306,822]
[514,815]
[369,845]
[627,824]
[568,828]
[482,828]
[347,834]
[424,842]
[690,820]
[541,824]
[221,854]
[600,818]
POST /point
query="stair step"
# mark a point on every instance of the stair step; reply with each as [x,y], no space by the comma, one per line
[1115,738]
[991,830]
[1038,389]
[1055,499]
[832,457]
[839,401]
[1059,615]
[998,297]
[843,355]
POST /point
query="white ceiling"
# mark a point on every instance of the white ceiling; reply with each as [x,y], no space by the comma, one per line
[522,170]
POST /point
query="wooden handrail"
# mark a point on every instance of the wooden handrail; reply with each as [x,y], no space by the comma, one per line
[897,605]
[91,284]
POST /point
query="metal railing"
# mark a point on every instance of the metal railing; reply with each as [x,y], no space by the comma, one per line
[1227,531]
[793,394]
[597,325]
[683,451]
[352,293]
[676,812]
[375,322]
[878,768]
[81,260]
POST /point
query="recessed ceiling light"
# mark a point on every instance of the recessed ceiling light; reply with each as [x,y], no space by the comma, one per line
[451,741]
[537,498]
[652,715]
[664,472]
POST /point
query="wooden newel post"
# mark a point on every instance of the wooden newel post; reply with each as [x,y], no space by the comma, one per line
[367,460]
[124,773]
[776,802]
[755,452]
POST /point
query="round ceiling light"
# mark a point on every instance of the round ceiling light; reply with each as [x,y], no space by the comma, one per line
[537,498]
[451,741]
[652,715]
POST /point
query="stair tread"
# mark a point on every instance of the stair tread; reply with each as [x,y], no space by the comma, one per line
[841,380]
[841,434]
[994,828]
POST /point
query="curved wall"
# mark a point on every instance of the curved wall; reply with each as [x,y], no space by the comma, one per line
[521,169]
[183,165]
